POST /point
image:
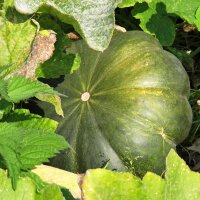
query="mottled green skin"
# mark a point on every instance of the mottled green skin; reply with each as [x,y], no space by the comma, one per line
[138,108]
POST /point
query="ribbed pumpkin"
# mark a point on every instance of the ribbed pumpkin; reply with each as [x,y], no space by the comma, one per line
[126,107]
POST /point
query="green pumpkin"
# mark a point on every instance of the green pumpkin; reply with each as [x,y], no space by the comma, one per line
[126,107]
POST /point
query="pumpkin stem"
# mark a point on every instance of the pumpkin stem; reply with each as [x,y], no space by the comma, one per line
[85,96]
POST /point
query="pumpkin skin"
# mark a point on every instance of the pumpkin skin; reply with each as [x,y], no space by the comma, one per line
[137,111]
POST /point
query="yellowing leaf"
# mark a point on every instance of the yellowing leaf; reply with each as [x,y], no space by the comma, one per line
[53,99]
[15,44]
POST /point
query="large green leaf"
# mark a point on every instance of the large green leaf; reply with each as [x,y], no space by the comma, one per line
[183,8]
[154,187]
[15,44]
[94,20]
[155,18]
[179,183]
[23,148]
[26,190]
[20,88]
[156,22]
[101,184]
[177,7]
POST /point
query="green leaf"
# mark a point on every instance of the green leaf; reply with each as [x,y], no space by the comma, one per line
[23,148]
[6,5]
[94,20]
[103,184]
[156,22]
[38,146]
[60,63]
[11,162]
[26,190]
[23,118]
[5,107]
[155,17]
[179,183]
[20,88]
[197,20]
[154,187]
[15,44]
[182,183]
[184,9]
[128,3]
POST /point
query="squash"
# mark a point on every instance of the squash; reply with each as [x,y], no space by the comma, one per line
[126,107]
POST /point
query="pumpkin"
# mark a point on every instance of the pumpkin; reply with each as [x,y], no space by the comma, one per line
[126,107]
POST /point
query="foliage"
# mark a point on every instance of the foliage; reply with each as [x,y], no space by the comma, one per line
[155,21]
[61,62]
[27,140]
[19,88]
[157,17]
[22,147]
[179,183]
[27,190]
[82,15]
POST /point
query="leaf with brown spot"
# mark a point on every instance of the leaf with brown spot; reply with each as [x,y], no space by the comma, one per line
[42,50]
